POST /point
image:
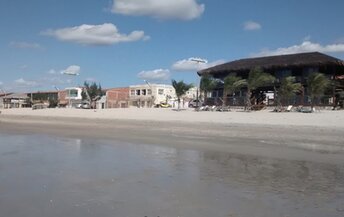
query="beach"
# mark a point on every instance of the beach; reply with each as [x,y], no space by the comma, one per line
[160,162]
[322,118]
[319,131]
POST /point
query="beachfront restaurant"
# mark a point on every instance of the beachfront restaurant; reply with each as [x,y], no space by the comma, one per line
[298,65]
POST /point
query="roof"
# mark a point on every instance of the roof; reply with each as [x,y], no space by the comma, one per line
[16,96]
[272,62]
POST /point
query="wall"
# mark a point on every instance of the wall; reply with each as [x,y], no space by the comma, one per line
[117,98]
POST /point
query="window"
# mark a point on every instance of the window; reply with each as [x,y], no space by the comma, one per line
[138,92]
[160,91]
[73,93]
[144,92]
[132,92]
[149,92]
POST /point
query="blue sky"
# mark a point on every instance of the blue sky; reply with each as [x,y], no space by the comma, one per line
[123,42]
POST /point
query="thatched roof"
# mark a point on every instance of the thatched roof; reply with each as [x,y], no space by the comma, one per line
[275,62]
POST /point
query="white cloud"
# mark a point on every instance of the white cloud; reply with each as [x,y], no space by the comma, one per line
[71,70]
[306,46]
[24,83]
[25,45]
[104,34]
[251,25]
[161,9]
[157,74]
[194,64]
[1,83]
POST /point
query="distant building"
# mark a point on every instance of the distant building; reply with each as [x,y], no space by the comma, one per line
[15,100]
[45,97]
[117,97]
[73,96]
[101,103]
[191,94]
[149,95]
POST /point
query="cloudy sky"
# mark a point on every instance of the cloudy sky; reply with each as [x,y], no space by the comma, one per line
[123,42]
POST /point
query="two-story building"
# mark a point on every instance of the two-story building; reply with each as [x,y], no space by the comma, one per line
[149,95]
[298,65]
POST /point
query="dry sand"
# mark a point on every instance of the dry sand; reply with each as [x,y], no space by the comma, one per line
[324,118]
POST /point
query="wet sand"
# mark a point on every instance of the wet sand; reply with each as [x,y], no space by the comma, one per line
[47,174]
[83,165]
[270,137]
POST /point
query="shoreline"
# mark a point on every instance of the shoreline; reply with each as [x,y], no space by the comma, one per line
[271,140]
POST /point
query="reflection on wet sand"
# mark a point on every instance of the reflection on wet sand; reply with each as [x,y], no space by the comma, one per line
[273,174]
[53,176]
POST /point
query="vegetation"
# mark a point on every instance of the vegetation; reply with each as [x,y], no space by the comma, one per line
[208,83]
[93,90]
[256,78]
[232,83]
[317,84]
[181,88]
[287,89]
[91,93]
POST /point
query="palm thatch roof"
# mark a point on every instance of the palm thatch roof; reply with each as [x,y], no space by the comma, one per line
[276,62]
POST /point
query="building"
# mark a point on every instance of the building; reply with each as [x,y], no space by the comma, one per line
[15,100]
[191,94]
[298,65]
[117,97]
[149,95]
[46,97]
[73,96]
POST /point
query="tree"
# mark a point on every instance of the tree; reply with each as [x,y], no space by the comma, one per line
[232,83]
[287,89]
[181,88]
[94,92]
[208,83]
[317,84]
[256,78]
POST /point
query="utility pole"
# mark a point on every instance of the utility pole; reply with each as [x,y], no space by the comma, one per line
[198,61]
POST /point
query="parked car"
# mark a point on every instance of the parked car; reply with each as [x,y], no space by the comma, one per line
[84,105]
[194,103]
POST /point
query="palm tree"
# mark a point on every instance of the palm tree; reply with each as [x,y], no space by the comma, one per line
[317,84]
[288,89]
[181,88]
[256,78]
[207,84]
[231,84]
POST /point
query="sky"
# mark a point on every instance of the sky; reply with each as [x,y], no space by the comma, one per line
[53,44]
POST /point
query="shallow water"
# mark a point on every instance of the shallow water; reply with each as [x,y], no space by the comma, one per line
[54,176]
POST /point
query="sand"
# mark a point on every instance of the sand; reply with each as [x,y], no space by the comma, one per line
[262,132]
[324,118]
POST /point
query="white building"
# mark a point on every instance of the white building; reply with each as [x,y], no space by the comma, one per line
[73,96]
[191,94]
[149,95]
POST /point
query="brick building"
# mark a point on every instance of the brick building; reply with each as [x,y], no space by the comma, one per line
[117,97]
